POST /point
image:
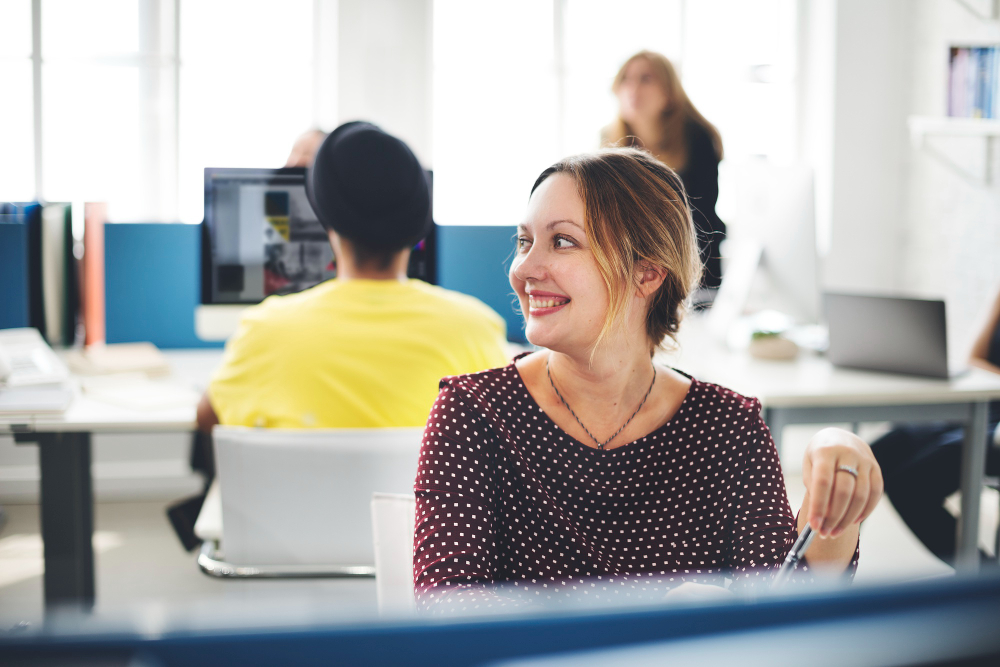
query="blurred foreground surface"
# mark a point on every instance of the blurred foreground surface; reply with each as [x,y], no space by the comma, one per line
[942,621]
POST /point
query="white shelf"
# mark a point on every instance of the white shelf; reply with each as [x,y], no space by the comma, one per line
[921,126]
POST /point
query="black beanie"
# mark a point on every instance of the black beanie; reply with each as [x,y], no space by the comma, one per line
[367,186]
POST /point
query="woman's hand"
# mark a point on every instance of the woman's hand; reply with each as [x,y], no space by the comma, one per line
[835,498]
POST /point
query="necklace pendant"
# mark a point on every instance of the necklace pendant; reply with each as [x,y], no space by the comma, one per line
[600,445]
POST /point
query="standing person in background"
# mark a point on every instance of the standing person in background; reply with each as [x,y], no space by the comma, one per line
[655,113]
[305,147]
[922,462]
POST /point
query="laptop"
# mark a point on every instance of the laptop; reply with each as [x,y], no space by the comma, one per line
[892,334]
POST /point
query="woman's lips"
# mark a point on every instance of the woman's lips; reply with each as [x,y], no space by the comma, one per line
[544,303]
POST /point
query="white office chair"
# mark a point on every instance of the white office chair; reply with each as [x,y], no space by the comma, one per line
[296,503]
[392,527]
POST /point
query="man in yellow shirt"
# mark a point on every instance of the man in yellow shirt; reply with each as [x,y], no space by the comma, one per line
[367,348]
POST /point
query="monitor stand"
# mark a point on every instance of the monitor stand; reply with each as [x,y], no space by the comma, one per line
[217,322]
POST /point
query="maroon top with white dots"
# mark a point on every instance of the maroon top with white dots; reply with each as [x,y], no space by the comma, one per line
[505,495]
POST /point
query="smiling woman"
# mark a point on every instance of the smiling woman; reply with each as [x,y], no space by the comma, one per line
[585,468]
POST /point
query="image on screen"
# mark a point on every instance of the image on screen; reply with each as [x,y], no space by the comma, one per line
[262,237]
[265,238]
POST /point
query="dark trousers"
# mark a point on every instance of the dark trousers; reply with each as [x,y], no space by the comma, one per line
[184,513]
[921,466]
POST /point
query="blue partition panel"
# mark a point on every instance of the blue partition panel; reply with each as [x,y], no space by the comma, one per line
[152,283]
[152,278]
[475,260]
[13,274]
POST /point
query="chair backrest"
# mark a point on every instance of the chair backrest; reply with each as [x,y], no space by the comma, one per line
[302,497]
[393,516]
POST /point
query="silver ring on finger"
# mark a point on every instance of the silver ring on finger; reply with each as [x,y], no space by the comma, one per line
[848,469]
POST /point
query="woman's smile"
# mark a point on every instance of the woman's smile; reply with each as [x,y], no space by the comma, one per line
[545,303]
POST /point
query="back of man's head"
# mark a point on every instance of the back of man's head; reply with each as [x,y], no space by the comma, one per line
[368,187]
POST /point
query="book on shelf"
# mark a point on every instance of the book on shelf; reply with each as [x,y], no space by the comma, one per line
[974,82]
[21,239]
[94,216]
[13,267]
[38,270]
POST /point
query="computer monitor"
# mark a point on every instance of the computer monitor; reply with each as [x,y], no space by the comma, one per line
[771,257]
[261,237]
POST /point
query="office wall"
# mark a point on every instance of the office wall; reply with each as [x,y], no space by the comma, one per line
[951,241]
[866,174]
[892,216]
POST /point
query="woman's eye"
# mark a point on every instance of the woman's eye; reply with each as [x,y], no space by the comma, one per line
[562,242]
[523,242]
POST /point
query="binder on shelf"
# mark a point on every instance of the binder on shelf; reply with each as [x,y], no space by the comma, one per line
[36,299]
[13,267]
[94,217]
[72,270]
[53,272]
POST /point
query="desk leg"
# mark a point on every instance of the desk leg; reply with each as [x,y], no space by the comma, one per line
[973,465]
[775,420]
[67,515]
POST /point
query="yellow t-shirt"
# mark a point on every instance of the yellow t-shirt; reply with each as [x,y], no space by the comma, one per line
[352,354]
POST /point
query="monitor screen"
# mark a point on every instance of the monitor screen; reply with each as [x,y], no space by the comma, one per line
[261,237]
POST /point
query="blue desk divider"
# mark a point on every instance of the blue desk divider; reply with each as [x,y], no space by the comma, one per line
[152,278]
[13,272]
[152,283]
[475,260]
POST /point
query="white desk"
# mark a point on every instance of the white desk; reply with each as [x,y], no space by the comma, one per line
[810,390]
[67,503]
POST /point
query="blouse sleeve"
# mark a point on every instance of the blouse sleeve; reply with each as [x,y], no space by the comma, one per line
[454,546]
[763,527]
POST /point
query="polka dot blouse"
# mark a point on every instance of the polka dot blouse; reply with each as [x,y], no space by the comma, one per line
[505,495]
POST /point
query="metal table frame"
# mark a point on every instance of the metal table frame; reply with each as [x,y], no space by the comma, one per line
[67,515]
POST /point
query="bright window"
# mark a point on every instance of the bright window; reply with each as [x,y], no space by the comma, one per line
[495,123]
[17,157]
[536,86]
[134,105]
[102,71]
[246,87]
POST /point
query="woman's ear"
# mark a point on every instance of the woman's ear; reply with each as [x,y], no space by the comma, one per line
[649,279]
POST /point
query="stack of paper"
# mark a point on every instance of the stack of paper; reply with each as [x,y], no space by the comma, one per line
[119,358]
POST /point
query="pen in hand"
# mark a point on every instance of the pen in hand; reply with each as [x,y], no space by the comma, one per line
[794,556]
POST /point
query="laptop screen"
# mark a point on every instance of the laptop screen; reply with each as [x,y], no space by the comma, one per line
[261,237]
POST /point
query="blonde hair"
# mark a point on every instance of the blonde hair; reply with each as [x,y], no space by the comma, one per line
[636,215]
[673,147]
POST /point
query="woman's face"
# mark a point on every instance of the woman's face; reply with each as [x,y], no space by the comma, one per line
[554,273]
[641,97]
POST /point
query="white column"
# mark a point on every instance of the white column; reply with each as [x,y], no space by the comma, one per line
[384,67]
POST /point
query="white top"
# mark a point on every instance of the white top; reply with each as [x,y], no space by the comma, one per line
[812,381]
[190,373]
[808,381]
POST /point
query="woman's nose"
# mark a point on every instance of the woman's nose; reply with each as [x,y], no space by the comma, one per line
[528,266]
